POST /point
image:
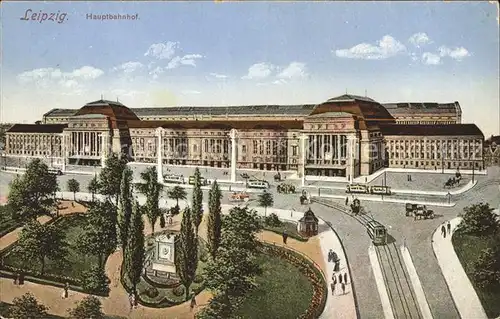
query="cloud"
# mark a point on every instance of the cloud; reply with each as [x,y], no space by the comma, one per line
[259,71]
[387,47]
[129,67]
[431,58]
[293,70]
[219,76]
[457,54]
[162,51]
[419,39]
[156,72]
[48,77]
[189,59]
[190,92]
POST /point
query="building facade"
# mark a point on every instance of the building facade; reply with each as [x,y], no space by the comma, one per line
[492,151]
[347,136]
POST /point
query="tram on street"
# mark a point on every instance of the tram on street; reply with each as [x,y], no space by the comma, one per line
[203,181]
[258,184]
[381,190]
[174,179]
[357,188]
[377,232]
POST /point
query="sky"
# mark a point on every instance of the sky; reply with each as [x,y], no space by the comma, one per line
[66,54]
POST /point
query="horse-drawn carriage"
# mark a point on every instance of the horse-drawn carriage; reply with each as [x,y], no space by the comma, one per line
[356,207]
[239,197]
[305,198]
[277,177]
[419,211]
[285,188]
[453,181]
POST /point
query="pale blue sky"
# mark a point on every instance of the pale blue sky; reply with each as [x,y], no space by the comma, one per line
[204,53]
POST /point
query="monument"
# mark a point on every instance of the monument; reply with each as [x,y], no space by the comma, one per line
[164,254]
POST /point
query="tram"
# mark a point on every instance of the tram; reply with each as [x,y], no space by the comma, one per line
[357,188]
[377,232]
[174,179]
[258,184]
[203,181]
[381,190]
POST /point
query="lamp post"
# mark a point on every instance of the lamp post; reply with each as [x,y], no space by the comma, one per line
[449,197]
[473,166]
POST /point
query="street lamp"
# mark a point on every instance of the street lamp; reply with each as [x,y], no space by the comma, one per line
[449,197]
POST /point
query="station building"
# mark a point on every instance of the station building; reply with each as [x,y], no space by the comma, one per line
[345,136]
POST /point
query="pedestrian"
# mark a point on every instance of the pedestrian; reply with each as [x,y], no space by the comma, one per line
[330,255]
[366,180]
[332,286]
[337,265]
[410,178]
[448,226]
[21,278]
[65,290]
[443,231]
[340,278]
[285,237]
[343,288]
[346,201]
[131,300]
[134,300]
[334,279]
[193,302]
[345,278]
[72,204]
[170,220]
[16,279]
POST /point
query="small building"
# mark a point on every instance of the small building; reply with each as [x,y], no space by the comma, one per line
[308,224]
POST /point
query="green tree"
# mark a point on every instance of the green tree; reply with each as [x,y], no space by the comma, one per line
[111,176]
[219,307]
[93,186]
[88,308]
[135,253]
[186,252]
[74,187]
[152,190]
[32,194]
[42,242]
[487,268]
[27,306]
[214,225]
[232,274]
[99,236]
[95,280]
[266,200]
[177,193]
[479,219]
[197,205]
[125,206]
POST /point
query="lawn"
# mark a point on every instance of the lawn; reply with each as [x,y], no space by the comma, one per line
[468,249]
[77,262]
[283,291]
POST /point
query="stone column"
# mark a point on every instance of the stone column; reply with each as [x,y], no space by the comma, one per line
[159,154]
[303,139]
[234,154]
[351,142]
[339,148]
[63,152]
[104,146]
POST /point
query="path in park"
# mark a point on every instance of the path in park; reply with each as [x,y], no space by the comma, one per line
[117,301]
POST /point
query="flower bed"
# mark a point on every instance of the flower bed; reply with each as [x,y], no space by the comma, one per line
[315,275]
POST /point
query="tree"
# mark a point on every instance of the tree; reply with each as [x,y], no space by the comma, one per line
[99,235]
[152,190]
[27,306]
[214,226]
[135,253]
[93,186]
[232,274]
[40,242]
[88,308]
[479,219]
[32,194]
[74,187]
[111,176]
[266,200]
[487,268]
[95,280]
[177,192]
[125,206]
[186,252]
[197,205]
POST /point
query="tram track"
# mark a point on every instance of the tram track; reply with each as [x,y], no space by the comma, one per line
[402,298]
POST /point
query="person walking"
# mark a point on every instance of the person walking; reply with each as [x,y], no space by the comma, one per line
[343,288]
[131,300]
[65,291]
[346,201]
[330,255]
[16,279]
[334,279]
[443,231]
[345,278]
[340,278]
[285,237]
[332,286]
[193,302]
[448,226]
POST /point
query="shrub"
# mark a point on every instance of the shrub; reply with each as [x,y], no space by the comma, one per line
[179,291]
[203,258]
[175,210]
[198,279]
[152,292]
[273,220]
[95,280]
